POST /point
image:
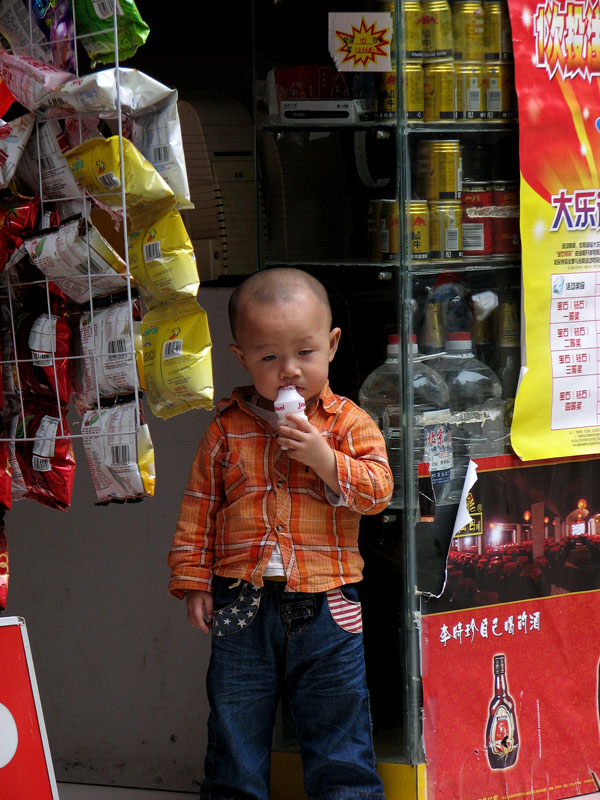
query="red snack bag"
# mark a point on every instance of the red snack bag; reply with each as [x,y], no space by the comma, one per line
[6,98]
[18,217]
[44,347]
[44,454]
[3,567]
[5,486]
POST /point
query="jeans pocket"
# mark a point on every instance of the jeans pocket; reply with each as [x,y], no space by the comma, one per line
[346,613]
[235,616]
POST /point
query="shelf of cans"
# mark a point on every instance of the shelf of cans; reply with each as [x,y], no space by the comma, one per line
[98,277]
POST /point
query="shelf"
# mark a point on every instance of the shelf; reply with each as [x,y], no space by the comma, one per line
[452,126]
[465,264]
[458,126]
[321,125]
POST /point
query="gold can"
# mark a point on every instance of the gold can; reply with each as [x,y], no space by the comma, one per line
[432,331]
[414,92]
[498,34]
[418,225]
[413,29]
[389,230]
[387,94]
[470,91]
[373,224]
[468,30]
[446,229]
[499,79]
[436,24]
[438,87]
[439,169]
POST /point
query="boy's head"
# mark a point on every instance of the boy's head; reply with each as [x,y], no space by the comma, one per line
[281,322]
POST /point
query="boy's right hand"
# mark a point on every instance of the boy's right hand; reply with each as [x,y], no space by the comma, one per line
[200,609]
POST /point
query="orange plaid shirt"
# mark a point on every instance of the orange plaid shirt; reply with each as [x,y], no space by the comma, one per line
[244,495]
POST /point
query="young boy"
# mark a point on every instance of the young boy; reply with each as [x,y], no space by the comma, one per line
[266,552]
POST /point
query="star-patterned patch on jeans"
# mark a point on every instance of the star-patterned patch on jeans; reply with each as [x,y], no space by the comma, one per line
[239,614]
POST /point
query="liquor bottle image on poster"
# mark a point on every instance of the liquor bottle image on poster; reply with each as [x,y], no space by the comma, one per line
[501,734]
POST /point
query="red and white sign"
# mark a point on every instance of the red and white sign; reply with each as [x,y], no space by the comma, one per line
[26,770]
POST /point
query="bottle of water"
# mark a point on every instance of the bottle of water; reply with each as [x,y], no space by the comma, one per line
[380,396]
[476,407]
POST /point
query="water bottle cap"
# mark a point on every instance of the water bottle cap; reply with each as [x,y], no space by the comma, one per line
[393,346]
[458,341]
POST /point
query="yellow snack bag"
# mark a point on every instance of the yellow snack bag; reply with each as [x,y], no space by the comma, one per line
[177,358]
[96,165]
[162,260]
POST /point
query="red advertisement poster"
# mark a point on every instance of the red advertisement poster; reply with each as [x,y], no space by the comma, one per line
[26,771]
[511,649]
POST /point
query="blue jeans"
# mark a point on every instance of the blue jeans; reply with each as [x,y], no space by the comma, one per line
[267,642]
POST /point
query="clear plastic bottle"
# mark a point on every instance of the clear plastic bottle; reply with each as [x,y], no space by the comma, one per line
[476,407]
[380,396]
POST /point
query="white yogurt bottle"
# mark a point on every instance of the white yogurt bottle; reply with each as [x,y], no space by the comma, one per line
[289,401]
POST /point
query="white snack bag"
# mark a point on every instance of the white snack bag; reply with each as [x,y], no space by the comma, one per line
[13,140]
[108,364]
[157,135]
[62,255]
[31,80]
[96,93]
[56,176]
[120,455]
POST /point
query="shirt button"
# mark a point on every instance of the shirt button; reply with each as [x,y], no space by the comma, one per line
[280,484]
[279,528]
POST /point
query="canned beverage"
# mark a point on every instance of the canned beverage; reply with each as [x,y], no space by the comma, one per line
[477,223]
[373,223]
[470,97]
[436,24]
[439,169]
[387,94]
[414,94]
[446,229]
[468,30]
[413,29]
[505,199]
[498,34]
[439,89]
[418,225]
[389,230]
[500,90]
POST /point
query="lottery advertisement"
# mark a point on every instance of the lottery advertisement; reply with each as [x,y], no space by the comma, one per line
[511,648]
[557,65]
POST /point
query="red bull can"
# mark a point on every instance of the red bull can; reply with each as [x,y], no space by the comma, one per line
[446,229]
[418,225]
[439,91]
[414,91]
[389,230]
[468,30]
[436,24]
[470,91]
[500,90]
[497,31]
[439,169]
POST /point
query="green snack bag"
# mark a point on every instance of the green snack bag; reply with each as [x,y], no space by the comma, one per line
[96,17]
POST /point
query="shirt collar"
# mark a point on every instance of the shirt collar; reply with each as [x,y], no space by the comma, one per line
[244,396]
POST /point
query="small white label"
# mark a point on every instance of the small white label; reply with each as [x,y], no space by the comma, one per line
[160,154]
[116,348]
[109,180]
[40,464]
[45,438]
[119,454]
[172,348]
[104,8]
[152,251]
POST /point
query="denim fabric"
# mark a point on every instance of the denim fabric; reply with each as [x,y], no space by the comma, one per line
[267,642]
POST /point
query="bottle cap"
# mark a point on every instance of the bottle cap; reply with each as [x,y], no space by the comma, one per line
[499,665]
[458,342]
[414,345]
[393,347]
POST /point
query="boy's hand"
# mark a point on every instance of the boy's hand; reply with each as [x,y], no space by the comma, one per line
[304,443]
[200,609]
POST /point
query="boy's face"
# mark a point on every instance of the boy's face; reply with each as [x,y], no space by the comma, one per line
[286,343]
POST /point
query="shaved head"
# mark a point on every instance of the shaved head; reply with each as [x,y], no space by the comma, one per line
[270,286]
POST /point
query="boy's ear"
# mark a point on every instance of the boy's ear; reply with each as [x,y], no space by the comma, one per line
[237,351]
[334,340]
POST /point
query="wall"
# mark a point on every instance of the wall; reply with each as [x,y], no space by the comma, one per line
[120,671]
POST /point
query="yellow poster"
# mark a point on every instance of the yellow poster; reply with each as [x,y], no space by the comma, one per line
[557,66]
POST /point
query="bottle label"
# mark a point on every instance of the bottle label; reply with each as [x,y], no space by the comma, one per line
[437,447]
[502,732]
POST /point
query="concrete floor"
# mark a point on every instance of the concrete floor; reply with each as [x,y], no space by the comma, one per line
[77,791]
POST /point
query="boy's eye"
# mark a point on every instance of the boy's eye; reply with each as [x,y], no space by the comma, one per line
[305,352]
[268,358]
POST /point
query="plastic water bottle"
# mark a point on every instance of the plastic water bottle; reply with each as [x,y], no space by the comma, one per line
[289,401]
[476,407]
[380,396]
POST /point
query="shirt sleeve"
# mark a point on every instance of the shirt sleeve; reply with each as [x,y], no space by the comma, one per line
[192,552]
[363,469]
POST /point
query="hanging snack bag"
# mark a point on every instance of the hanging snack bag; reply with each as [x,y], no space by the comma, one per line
[52,22]
[96,165]
[97,94]
[29,79]
[119,451]
[95,17]
[44,347]
[57,181]
[17,218]
[5,486]
[177,358]
[78,260]
[13,140]
[4,574]
[162,260]
[110,360]
[157,135]
[44,454]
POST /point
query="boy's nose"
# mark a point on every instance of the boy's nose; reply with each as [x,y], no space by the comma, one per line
[290,369]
